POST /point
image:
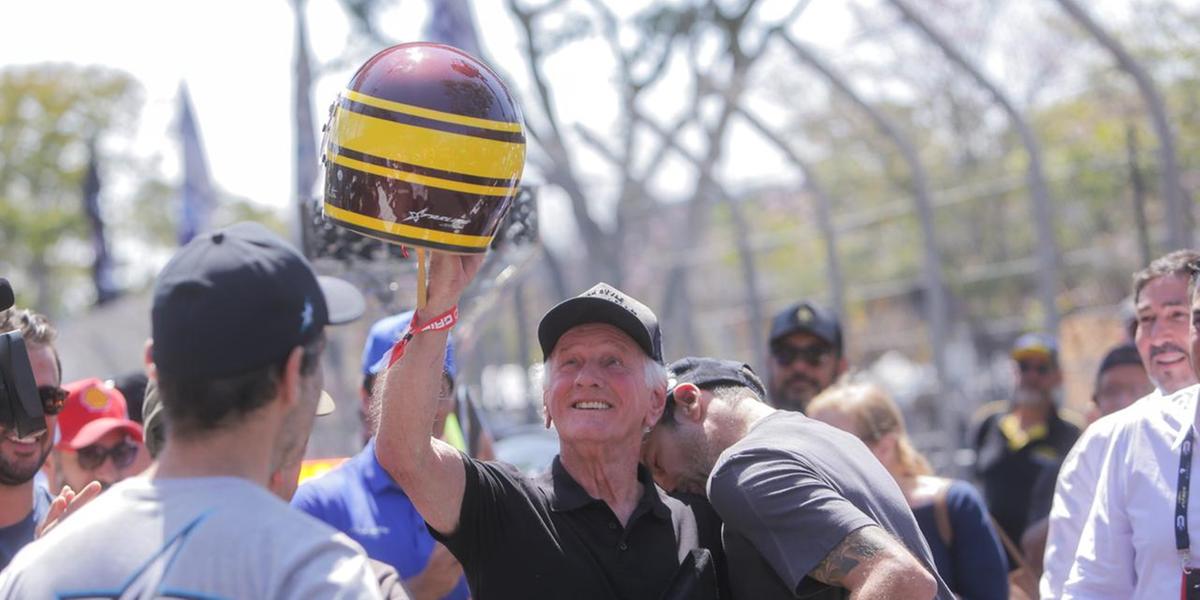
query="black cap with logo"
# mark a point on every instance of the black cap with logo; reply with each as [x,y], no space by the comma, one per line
[807,317]
[603,304]
[238,299]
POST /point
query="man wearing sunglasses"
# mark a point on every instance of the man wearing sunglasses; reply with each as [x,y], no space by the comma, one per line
[23,504]
[1019,438]
[806,354]
[96,439]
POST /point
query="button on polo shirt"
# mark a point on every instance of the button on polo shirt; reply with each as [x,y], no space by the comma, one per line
[545,537]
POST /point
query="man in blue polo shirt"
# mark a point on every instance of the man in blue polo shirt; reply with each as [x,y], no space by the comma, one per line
[360,499]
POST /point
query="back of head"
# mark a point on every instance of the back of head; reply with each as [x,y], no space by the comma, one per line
[874,415]
[35,328]
[228,310]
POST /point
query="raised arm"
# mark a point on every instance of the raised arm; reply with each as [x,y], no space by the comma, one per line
[872,564]
[428,470]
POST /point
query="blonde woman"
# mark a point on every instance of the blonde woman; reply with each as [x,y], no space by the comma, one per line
[951,514]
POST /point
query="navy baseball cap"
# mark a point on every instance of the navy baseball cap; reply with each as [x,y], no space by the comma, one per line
[383,336]
[808,317]
[238,299]
[603,304]
[705,373]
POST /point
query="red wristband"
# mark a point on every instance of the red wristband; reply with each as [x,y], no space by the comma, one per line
[445,320]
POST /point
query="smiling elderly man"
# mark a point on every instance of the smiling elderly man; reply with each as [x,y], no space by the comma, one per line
[595,526]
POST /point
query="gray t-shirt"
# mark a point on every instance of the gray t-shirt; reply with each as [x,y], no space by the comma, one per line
[211,537]
[789,492]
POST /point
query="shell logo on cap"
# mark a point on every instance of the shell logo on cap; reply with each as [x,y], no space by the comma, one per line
[804,314]
[95,400]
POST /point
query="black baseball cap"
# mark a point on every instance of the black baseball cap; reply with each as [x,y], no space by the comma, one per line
[238,299]
[603,304]
[705,372]
[808,317]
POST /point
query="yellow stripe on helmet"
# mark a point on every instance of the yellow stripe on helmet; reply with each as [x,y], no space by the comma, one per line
[429,113]
[437,182]
[431,148]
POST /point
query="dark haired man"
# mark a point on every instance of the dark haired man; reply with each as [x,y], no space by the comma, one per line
[238,326]
[807,355]
[23,504]
[1136,539]
[1160,335]
[808,510]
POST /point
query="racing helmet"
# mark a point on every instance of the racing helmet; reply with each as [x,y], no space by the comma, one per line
[424,147]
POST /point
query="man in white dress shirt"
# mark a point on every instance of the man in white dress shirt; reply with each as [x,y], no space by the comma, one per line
[1129,548]
[1161,336]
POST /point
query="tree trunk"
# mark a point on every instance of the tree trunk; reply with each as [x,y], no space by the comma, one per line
[824,210]
[524,353]
[305,157]
[1179,207]
[1138,189]
[1041,210]
[936,308]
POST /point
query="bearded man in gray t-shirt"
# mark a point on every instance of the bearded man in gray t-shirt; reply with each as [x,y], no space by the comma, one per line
[808,511]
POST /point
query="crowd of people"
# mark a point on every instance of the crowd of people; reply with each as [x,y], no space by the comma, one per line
[686,478]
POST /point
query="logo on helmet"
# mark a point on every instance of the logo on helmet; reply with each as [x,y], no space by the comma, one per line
[455,223]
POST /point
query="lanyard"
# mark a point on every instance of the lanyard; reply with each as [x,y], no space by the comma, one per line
[1182,540]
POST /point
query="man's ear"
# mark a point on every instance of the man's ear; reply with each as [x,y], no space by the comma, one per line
[658,403]
[148,359]
[690,402]
[289,379]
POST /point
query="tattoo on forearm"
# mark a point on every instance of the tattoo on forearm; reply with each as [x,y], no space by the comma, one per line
[859,547]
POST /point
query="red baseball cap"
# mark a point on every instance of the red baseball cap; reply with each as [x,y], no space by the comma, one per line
[93,408]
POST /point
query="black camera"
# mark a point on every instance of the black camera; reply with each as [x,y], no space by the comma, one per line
[20,405]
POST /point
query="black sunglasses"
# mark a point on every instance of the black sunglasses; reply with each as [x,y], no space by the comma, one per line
[786,354]
[1039,367]
[52,399]
[123,455]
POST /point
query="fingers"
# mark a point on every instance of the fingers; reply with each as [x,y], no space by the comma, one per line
[84,496]
[57,508]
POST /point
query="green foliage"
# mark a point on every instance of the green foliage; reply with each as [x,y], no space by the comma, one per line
[48,116]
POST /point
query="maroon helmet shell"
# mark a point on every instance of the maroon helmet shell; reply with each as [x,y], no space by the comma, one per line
[425,147]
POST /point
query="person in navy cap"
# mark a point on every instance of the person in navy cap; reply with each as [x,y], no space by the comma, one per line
[807,354]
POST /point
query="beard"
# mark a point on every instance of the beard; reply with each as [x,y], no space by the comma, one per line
[795,392]
[15,471]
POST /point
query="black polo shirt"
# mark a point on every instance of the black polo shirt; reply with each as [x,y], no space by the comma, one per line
[1008,469]
[545,537]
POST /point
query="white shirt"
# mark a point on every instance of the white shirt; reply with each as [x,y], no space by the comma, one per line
[1074,491]
[204,537]
[1127,550]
